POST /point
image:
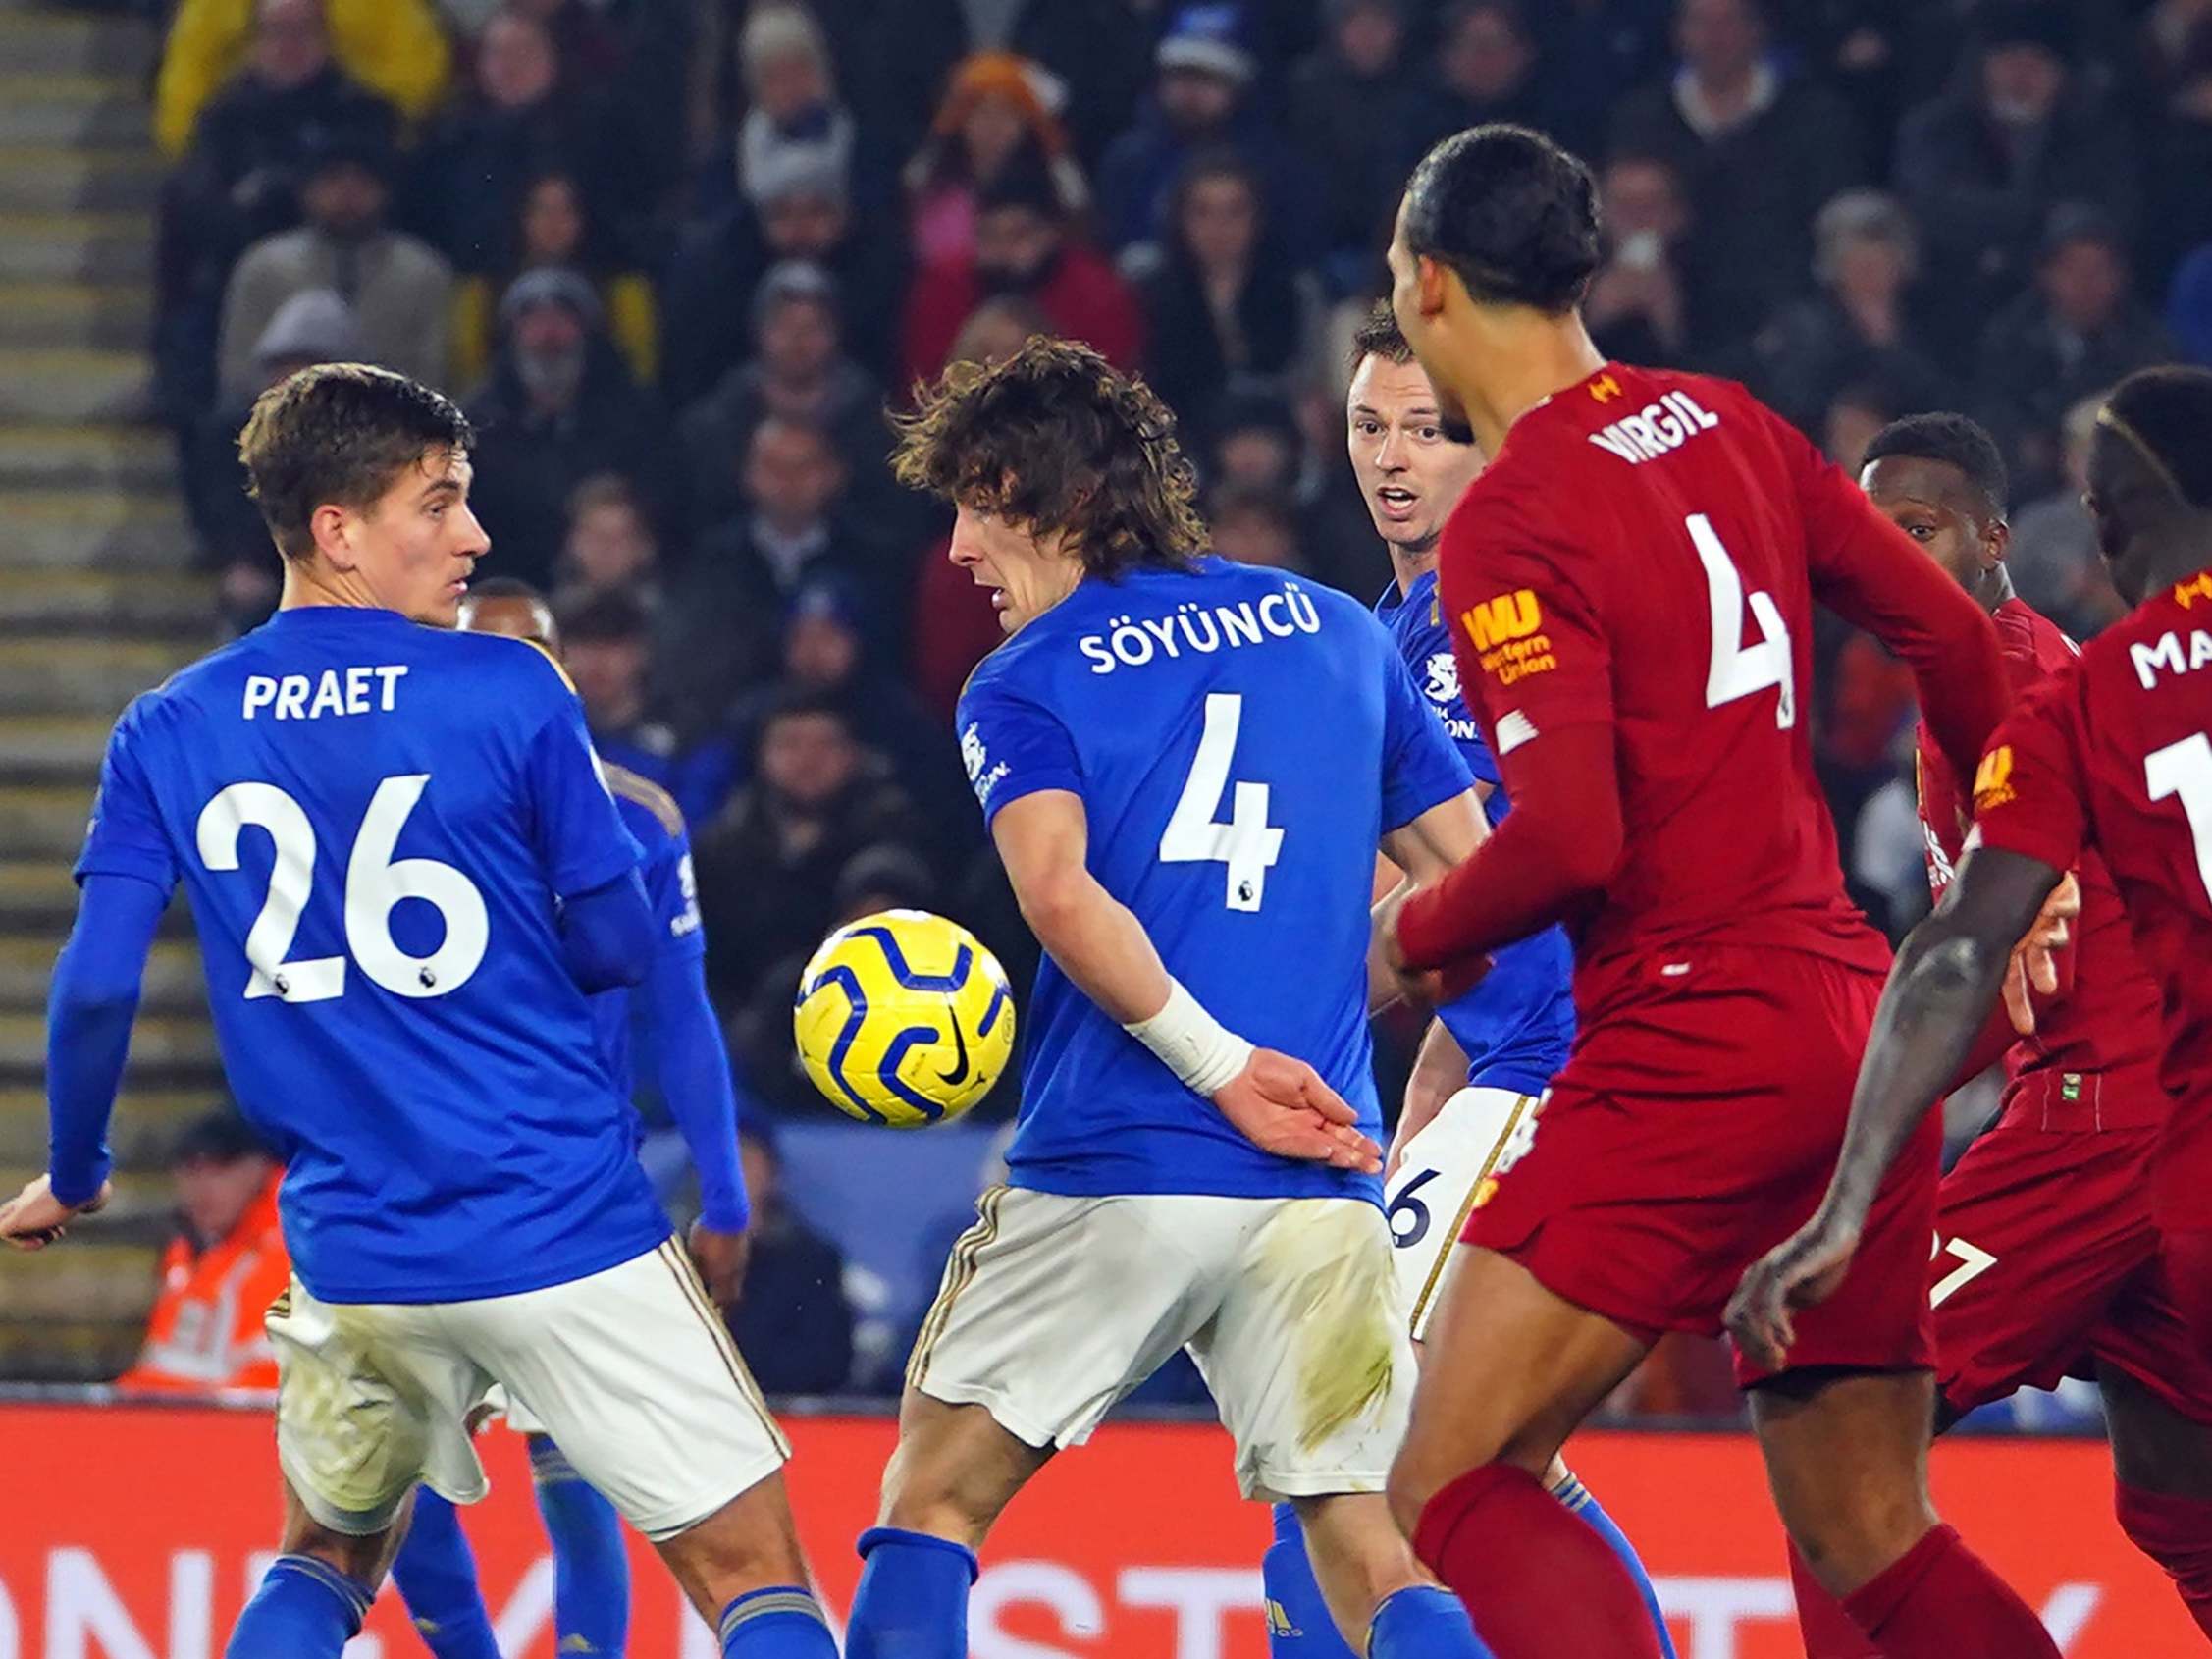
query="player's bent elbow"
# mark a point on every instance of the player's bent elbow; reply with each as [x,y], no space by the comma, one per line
[1054,902]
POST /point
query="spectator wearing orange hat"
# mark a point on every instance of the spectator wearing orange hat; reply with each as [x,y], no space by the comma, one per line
[996,117]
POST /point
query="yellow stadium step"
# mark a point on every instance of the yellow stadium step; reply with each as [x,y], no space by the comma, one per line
[173,981]
[59,676]
[145,1126]
[109,603]
[44,819]
[174,1049]
[78,109]
[92,247]
[38,179]
[74,383]
[59,44]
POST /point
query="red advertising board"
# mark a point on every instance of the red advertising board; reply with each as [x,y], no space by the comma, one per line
[134,1533]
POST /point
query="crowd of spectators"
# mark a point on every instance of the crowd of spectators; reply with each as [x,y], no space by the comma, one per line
[679,260]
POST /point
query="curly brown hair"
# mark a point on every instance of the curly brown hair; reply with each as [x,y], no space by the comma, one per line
[1056,439]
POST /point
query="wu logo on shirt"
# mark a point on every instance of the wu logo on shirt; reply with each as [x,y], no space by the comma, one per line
[1993,780]
[1510,615]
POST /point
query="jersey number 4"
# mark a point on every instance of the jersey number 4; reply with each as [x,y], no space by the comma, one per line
[375,883]
[1738,669]
[1247,843]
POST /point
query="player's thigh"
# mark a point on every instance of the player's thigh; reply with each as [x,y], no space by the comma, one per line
[751,1544]
[635,1377]
[954,1471]
[1437,1184]
[1053,1308]
[371,1398]
[1847,1461]
[2040,1239]
[1307,1356]
[2156,1447]
[1508,1370]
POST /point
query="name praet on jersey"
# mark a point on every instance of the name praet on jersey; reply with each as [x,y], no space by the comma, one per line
[2165,654]
[1656,430]
[334,691]
[1196,630]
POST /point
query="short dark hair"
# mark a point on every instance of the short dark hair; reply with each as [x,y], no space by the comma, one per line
[339,434]
[220,1137]
[1237,501]
[1056,438]
[1954,440]
[505,587]
[603,488]
[2167,412]
[1511,212]
[799,702]
[598,617]
[1379,335]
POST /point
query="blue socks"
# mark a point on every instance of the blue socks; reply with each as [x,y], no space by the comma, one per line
[913,1599]
[1423,1622]
[435,1573]
[1299,1626]
[781,1622]
[591,1566]
[304,1609]
[1576,1496]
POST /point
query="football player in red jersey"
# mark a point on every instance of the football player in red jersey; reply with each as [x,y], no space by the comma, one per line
[2047,1262]
[1630,588]
[2111,756]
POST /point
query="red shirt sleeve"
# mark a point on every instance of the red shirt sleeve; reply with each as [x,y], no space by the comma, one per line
[2029,789]
[1869,572]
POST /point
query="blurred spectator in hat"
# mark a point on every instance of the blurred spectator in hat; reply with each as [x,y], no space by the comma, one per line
[1759,151]
[1863,323]
[399,291]
[1348,113]
[2078,329]
[221,1271]
[559,406]
[794,1311]
[793,112]
[1023,245]
[1201,97]
[1983,165]
[799,371]
[1485,68]
[993,119]
[314,326]
[246,62]
[2052,557]
[610,546]
[519,117]
[1225,309]
[241,183]
[1641,306]
[1252,442]
[553,224]
[800,210]
[769,862]
[1254,527]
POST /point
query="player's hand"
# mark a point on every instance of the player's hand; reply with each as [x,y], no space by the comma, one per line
[2032,967]
[34,1219]
[720,1258]
[1281,1106]
[1425,1095]
[1424,987]
[1804,1269]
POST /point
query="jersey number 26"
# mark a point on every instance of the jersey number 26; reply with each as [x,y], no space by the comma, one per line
[375,883]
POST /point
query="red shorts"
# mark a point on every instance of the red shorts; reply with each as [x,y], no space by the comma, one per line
[1696,1127]
[2047,1261]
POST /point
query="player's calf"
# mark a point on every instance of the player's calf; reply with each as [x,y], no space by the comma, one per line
[1378,1597]
[2163,1494]
[742,1568]
[590,1564]
[313,1597]
[435,1573]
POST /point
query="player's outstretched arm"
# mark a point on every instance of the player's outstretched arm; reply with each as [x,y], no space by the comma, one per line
[1277,1102]
[1439,1071]
[701,1096]
[89,1006]
[1944,984]
[1417,855]
[607,935]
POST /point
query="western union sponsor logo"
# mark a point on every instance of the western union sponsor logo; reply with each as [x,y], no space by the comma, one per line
[1510,615]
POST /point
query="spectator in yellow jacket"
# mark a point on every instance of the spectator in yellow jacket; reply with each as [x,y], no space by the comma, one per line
[394,48]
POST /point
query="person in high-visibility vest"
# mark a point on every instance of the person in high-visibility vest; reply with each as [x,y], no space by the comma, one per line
[222,1270]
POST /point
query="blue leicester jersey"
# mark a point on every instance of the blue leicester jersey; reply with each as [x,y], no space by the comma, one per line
[1517,1024]
[1239,740]
[375,824]
[656,823]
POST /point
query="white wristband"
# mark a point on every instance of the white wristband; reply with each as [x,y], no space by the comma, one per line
[1190,1042]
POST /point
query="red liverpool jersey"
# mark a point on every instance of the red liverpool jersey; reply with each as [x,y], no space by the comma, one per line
[1644,553]
[2116,753]
[2093,1060]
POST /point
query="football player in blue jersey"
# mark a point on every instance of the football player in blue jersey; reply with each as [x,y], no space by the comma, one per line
[1186,767]
[408,878]
[1488,1057]
[435,1569]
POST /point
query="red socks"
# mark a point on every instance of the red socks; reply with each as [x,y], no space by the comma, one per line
[1493,1532]
[1939,1601]
[1826,1628]
[2176,1534]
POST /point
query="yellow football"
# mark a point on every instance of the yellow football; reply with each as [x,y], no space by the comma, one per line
[904,1018]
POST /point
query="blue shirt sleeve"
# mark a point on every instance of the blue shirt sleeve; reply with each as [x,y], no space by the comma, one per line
[1436,670]
[579,835]
[693,1064]
[675,891]
[1012,746]
[89,1005]
[1421,765]
[126,837]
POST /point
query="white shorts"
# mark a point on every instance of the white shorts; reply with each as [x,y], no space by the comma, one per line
[1434,1190]
[1053,1308]
[630,1370]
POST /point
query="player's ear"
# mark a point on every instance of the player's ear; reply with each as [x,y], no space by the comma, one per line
[1432,282]
[1997,541]
[331,526]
